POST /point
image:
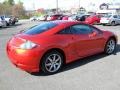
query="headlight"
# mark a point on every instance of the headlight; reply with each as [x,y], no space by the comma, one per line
[28,45]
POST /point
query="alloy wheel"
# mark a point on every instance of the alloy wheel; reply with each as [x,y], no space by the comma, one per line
[110,46]
[53,63]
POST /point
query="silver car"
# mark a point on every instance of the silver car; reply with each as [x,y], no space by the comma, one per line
[3,23]
[110,20]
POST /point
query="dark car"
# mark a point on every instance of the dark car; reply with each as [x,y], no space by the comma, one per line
[82,17]
[78,17]
[13,20]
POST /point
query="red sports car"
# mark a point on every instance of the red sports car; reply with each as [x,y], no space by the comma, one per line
[49,45]
[55,17]
[93,19]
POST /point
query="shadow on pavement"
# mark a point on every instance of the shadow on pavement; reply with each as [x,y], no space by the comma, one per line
[11,26]
[81,62]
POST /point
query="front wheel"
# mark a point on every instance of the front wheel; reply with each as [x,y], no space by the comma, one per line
[52,62]
[110,46]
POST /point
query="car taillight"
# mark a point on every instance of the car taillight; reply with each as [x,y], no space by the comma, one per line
[27,45]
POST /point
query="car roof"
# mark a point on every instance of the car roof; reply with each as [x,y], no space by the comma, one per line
[64,22]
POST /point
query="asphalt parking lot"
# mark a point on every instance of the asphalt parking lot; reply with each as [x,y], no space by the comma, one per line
[99,72]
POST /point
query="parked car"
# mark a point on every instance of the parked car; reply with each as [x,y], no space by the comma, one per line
[11,20]
[110,20]
[55,17]
[42,18]
[49,45]
[3,23]
[73,17]
[34,18]
[65,17]
[82,17]
[78,17]
[93,19]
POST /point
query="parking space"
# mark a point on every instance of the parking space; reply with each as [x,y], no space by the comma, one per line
[99,72]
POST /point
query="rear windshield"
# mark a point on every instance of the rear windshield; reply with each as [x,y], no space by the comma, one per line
[107,16]
[37,29]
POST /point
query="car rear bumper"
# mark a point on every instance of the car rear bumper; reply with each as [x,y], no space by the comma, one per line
[26,60]
[104,21]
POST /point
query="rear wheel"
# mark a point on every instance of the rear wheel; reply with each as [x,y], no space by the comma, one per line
[113,23]
[110,46]
[52,62]
[13,22]
[104,24]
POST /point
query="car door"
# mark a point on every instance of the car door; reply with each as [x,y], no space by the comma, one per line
[67,39]
[87,39]
[116,19]
[119,19]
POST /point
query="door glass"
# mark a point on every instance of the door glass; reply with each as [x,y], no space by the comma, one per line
[81,29]
[65,31]
[115,16]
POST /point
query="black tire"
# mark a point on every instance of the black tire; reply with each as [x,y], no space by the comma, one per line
[113,23]
[104,24]
[107,46]
[45,65]
[13,23]
[8,24]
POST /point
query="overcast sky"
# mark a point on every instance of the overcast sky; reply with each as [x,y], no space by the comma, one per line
[30,4]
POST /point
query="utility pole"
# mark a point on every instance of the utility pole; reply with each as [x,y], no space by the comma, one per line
[33,5]
[79,4]
[57,6]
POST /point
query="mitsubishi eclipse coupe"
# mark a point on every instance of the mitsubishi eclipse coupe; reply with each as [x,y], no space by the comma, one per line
[48,46]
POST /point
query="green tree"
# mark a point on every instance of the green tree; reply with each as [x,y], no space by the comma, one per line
[18,9]
[11,2]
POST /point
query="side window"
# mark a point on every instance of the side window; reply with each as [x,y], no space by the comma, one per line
[115,16]
[2,18]
[119,16]
[81,29]
[66,31]
[96,30]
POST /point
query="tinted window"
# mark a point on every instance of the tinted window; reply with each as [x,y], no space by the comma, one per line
[96,30]
[107,16]
[57,15]
[73,17]
[2,18]
[65,31]
[119,16]
[81,29]
[115,16]
[40,28]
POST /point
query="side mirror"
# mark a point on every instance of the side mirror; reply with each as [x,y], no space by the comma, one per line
[93,34]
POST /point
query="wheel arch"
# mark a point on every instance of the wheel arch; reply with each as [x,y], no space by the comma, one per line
[54,49]
[112,37]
